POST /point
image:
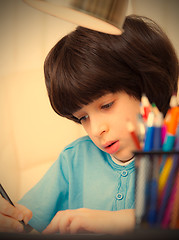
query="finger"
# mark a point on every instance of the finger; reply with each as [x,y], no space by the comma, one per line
[53,227]
[67,218]
[8,224]
[9,210]
[72,221]
[64,223]
[26,212]
[78,226]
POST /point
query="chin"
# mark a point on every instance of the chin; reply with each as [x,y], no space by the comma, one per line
[124,157]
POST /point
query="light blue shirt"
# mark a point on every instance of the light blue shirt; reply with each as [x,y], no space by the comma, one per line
[83,176]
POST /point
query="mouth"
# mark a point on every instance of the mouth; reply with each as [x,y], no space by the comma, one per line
[111,147]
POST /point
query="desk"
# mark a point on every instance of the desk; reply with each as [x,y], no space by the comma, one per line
[140,234]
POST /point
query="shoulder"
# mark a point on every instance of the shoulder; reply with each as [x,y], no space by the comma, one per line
[80,150]
[83,141]
[77,153]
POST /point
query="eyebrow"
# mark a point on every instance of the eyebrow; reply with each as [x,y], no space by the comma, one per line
[75,114]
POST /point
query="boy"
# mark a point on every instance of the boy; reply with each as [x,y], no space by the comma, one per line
[97,80]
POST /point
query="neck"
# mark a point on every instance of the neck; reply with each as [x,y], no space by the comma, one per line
[122,162]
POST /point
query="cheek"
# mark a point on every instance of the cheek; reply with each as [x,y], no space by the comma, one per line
[119,123]
[95,140]
[131,112]
[122,131]
[87,129]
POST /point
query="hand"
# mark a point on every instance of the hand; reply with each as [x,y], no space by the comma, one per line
[91,221]
[10,216]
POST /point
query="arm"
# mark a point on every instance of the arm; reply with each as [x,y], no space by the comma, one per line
[47,196]
[10,216]
[93,221]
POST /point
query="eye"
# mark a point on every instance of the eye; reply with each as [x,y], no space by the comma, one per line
[108,105]
[83,118]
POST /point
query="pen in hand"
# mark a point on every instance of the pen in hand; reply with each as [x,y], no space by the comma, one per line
[27,227]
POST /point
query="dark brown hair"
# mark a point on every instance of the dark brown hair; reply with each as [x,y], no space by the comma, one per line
[86,64]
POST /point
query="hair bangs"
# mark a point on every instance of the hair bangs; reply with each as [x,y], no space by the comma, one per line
[80,90]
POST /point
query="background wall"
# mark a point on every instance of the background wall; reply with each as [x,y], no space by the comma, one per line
[31,134]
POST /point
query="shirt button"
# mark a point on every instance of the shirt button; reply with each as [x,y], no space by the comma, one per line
[119,196]
[124,173]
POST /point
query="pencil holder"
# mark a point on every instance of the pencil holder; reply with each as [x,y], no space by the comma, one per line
[157,189]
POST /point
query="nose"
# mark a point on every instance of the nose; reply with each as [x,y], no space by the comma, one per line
[99,126]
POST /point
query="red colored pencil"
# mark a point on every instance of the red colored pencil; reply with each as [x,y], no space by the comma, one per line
[133,134]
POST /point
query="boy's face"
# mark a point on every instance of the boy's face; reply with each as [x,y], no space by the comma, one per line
[105,122]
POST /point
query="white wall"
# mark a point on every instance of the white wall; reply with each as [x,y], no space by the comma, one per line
[164,12]
[32,135]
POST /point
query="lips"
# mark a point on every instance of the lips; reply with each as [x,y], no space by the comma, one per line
[111,147]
